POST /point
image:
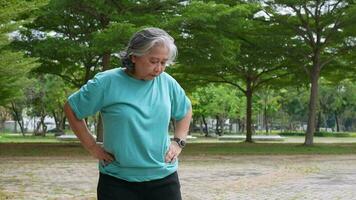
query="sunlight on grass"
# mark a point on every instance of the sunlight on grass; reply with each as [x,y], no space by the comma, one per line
[19,138]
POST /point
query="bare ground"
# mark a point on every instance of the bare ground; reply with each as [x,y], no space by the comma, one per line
[214,177]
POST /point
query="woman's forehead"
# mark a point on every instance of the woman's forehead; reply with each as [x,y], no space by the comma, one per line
[160,52]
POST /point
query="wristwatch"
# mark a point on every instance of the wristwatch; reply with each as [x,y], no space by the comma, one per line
[181,143]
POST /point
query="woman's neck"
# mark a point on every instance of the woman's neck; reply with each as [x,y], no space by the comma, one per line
[131,72]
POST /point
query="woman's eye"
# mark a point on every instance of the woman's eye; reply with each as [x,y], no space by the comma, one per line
[158,62]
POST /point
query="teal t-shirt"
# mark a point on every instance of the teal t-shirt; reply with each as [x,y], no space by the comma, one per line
[136,117]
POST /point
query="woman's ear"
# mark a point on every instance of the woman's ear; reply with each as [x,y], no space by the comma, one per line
[133,58]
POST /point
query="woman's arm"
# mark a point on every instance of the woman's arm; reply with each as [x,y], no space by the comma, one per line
[80,129]
[182,126]
[181,132]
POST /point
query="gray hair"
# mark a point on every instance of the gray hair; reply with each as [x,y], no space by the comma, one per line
[142,42]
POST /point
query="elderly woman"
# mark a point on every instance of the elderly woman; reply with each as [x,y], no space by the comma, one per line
[138,159]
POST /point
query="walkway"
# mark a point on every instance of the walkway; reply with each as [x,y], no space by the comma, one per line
[213,178]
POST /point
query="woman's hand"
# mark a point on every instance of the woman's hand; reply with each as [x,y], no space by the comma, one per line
[98,152]
[173,152]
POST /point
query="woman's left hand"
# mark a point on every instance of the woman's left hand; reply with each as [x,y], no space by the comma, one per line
[173,152]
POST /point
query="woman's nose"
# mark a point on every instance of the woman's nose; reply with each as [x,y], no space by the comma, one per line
[159,68]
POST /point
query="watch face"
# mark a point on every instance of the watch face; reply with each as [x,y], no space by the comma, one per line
[182,143]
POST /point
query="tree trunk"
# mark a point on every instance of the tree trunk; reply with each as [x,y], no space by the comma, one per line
[41,127]
[318,124]
[218,127]
[58,119]
[337,122]
[242,125]
[64,119]
[36,131]
[248,111]
[265,119]
[44,126]
[230,125]
[15,128]
[192,125]
[205,130]
[309,136]
[239,121]
[18,118]
[222,125]
[2,125]
[201,126]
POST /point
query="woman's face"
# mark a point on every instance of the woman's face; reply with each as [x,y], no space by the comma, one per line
[152,64]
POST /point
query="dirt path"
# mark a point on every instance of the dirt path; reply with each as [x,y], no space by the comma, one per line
[219,177]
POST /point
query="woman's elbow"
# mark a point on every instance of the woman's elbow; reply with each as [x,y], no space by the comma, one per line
[68,110]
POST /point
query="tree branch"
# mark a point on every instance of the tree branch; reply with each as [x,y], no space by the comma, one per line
[327,61]
[308,31]
[255,86]
[335,6]
[232,83]
[307,11]
[69,79]
[207,80]
[333,30]
[269,70]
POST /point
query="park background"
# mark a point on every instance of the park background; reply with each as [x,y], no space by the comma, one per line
[272,84]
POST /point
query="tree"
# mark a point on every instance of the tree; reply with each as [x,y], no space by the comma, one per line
[326,31]
[242,50]
[336,100]
[14,65]
[12,81]
[218,101]
[77,39]
[269,103]
[45,96]
[294,104]
[56,93]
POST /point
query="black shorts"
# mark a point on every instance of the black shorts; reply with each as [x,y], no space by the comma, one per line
[112,188]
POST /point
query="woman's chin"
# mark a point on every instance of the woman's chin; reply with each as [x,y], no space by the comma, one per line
[150,77]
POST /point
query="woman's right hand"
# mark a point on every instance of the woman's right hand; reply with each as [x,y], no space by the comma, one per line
[98,152]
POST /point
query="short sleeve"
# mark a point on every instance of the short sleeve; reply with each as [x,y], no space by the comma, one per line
[88,100]
[180,102]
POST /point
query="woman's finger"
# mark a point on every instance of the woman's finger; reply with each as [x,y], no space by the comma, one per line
[111,157]
[173,159]
[108,157]
[169,156]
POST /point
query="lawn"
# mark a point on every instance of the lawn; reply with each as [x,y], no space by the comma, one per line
[194,149]
[18,145]
[28,138]
[243,148]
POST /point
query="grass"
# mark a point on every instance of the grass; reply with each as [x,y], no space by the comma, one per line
[321,134]
[42,149]
[194,149]
[29,138]
[17,138]
[267,149]
[18,145]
